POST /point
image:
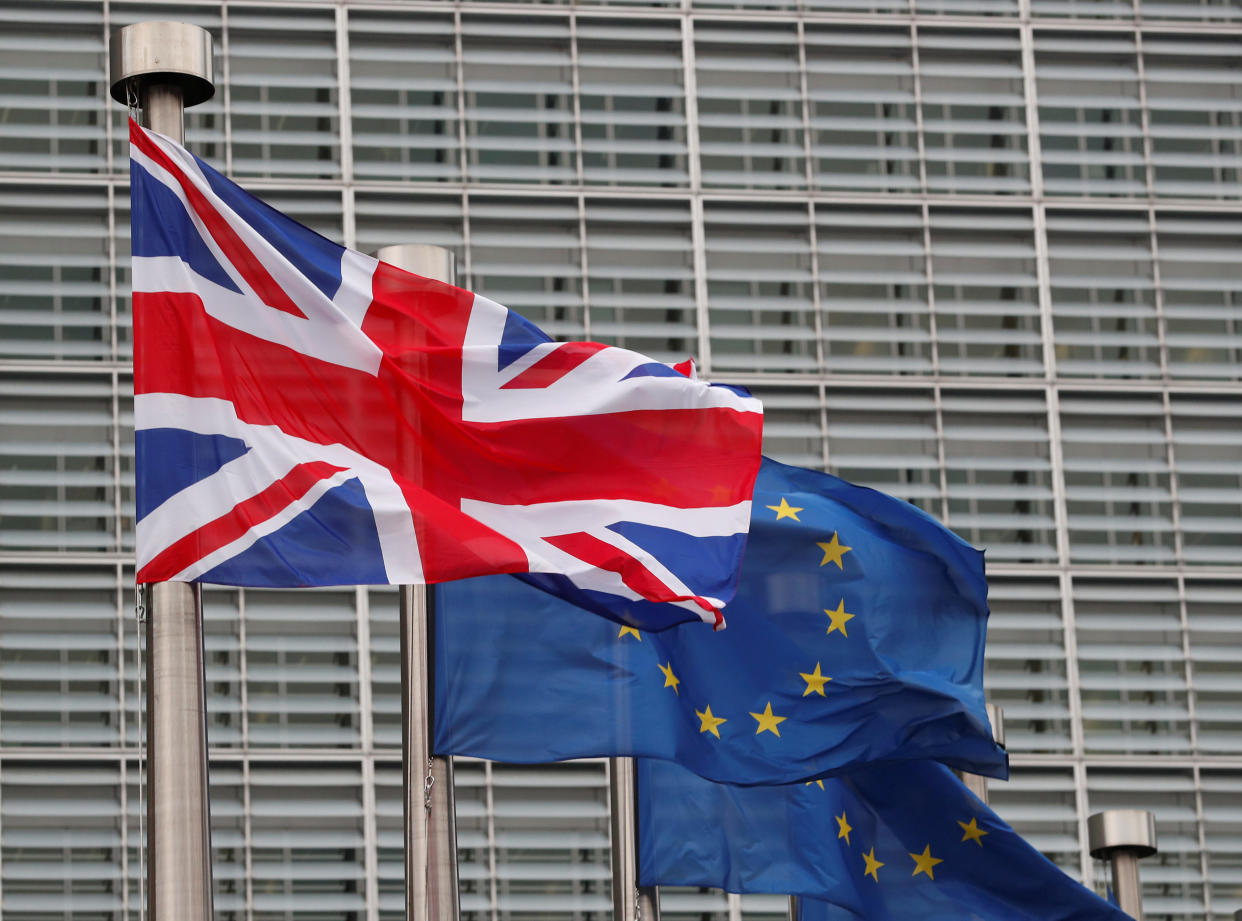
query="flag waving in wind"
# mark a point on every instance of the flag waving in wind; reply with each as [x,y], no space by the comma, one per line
[307,415]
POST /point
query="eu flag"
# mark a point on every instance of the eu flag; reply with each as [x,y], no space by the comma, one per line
[856,635]
[887,841]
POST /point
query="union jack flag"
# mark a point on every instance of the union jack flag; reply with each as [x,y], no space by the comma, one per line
[308,415]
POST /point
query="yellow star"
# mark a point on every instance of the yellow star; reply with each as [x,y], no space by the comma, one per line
[972,832]
[709,723]
[768,722]
[833,550]
[809,782]
[839,617]
[631,631]
[670,680]
[872,865]
[924,862]
[844,828]
[815,681]
[785,510]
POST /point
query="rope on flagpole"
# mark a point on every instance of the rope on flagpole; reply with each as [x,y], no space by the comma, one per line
[140,616]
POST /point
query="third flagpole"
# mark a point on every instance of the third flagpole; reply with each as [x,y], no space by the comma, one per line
[427,781]
[160,68]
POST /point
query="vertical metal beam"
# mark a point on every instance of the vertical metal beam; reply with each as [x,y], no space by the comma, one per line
[427,781]
[163,67]
[630,902]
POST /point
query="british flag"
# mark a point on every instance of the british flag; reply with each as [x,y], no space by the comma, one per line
[307,415]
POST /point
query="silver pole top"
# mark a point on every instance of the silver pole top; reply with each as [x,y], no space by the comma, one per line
[996,716]
[151,53]
[422,259]
[1131,830]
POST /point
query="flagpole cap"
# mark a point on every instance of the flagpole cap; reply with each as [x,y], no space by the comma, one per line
[996,716]
[1130,830]
[423,259]
[159,52]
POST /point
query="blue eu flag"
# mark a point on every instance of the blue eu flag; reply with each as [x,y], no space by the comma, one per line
[888,841]
[856,635]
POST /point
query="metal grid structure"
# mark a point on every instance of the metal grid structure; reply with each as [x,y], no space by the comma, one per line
[981,254]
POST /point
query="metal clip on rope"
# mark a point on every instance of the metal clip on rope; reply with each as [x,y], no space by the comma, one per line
[428,782]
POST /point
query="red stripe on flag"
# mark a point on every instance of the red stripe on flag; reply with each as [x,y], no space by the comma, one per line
[602,555]
[251,269]
[553,366]
[406,422]
[236,522]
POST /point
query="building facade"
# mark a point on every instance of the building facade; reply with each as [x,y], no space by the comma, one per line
[981,254]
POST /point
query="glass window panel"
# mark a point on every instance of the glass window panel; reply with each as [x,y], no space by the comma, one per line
[56,464]
[1116,479]
[54,273]
[385,219]
[1105,320]
[1207,451]
[1201,10]
[873,290]
[793,425]
[1215,650]
[760,288]
[1131,666]
[59,677]
[283,86]
[307,840]
[1090,124]
[301,668]
[537,272]
[750,105]
[1201,284]
[384,605]
[62,839]
[518,76]
[632,101]
[1194,103]
[999,474]
[861,97]
[1026,670]
[974,112]
[403,96]
[886,439]
[53,88]
[1084,9]
[986,298]
[1222,839]
[640,265]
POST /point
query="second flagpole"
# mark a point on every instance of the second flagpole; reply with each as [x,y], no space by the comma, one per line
[427,781]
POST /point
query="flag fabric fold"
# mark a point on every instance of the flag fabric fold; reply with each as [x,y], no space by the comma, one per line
[888,842]
[307,415]
[856,636]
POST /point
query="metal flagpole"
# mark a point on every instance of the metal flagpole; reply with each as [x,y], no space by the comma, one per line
[430,819]
[1123,836]
[161,67]
[630,902]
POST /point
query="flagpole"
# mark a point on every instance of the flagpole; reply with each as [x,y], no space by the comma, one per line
[427,781]
[162,67]
[630,902]
[1123,836]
